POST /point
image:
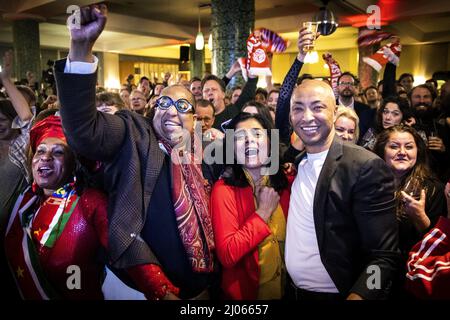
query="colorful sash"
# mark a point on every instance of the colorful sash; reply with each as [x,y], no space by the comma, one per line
[190,201]
[22,255]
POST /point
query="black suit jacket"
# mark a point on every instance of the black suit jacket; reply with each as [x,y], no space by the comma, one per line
[127,145]
[355,222]
[366,117]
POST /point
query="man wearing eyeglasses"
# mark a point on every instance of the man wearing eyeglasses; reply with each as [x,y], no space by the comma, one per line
[347,90]
[160,232]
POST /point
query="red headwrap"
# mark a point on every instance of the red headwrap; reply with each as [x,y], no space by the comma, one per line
[50,127]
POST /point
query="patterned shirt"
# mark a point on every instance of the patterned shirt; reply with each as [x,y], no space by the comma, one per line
[18,147]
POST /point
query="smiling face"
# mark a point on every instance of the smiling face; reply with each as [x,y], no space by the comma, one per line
[52,164]
[400,153]
[251,144]
[313,110]
[391,115]
[171,125]
[345,128]
[196,89]
[273,99]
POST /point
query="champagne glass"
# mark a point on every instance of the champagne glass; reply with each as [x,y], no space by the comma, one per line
[311,26]
[413,187]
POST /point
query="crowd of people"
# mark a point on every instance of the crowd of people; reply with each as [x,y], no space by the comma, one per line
[302,191]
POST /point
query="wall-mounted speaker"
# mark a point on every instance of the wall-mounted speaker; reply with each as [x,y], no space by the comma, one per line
[184,54]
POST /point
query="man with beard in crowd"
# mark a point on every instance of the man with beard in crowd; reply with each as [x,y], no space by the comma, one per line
[347,91]
[435,134]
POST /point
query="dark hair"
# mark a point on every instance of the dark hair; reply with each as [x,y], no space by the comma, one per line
[143,78]
[424,86]
[347,73]
[421,169]
[7,108]
[368,88]
[195,79]
[263,110]
[403,106]
[216,79]
[405,75]
[234,174]
[303,77]
[28,94]
[205,104]
[261,91]
[109,99]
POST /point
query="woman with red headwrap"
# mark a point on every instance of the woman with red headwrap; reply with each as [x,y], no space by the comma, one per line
[56,230]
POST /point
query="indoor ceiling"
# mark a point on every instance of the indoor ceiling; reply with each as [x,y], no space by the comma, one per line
[146,27]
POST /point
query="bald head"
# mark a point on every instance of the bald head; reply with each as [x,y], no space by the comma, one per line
[179,90]
[313,110]
[316,87]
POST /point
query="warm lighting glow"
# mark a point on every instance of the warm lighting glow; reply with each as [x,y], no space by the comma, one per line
[418,80]
[325,66]
[262,83]
[312,57]
[199,41]
[112,84]
[210,41]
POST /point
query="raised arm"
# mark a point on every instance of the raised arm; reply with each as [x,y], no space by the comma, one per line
[284,99]
[93,134]
[17,99]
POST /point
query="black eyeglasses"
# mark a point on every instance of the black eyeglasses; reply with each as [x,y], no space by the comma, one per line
[182,105]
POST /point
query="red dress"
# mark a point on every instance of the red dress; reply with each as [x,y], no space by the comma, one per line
[70,268]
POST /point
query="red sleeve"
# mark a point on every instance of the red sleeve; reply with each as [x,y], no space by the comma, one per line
[95,204]
[233,241]
[151,280]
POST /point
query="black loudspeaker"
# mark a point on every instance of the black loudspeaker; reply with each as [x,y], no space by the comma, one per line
[184,54]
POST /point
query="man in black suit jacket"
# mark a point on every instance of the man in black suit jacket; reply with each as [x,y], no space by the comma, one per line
[346,89]
[145,241]
[342,238]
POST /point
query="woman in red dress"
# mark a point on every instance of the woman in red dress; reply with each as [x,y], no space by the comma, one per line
[56,229]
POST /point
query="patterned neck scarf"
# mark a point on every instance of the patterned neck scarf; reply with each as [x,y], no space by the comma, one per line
[190,200]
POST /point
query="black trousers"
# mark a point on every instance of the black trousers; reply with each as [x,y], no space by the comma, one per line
[296,294]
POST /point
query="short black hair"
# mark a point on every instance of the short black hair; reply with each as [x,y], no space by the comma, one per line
[195,79]
[203,103]
[143,78]
[347,73]
[216,79]
[405,75]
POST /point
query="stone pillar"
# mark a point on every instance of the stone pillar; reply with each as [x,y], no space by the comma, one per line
[27,52]
[231,24]
[366,74]
[197,62]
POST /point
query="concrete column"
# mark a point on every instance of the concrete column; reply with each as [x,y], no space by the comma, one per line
[231,24]
[27,53]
